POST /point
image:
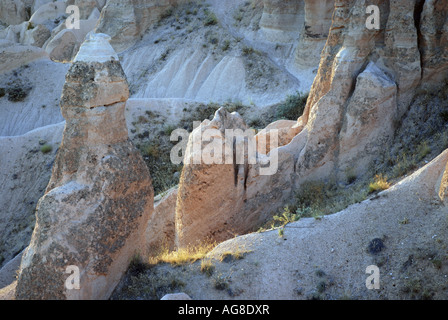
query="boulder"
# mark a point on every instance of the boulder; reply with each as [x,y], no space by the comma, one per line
[209,193]
[176,296]
[225,189]
[36,36]
[63,46]
[64,43]
[92,218]
[48,13]
[14,11]
[368,121]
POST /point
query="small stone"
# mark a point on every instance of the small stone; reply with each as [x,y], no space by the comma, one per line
[375,246]
[176,296]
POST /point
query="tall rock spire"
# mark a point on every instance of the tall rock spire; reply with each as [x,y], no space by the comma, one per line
[92,218]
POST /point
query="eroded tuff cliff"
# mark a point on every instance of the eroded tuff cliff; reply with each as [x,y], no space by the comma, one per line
[399,53]
[366,81]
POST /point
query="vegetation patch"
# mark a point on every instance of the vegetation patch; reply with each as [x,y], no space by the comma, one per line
[46,148]
[210,19]
[150,284]
[207,267]
[17,93]
[183,255]
[293,107]
[316,199]
[379,184]
[376,246]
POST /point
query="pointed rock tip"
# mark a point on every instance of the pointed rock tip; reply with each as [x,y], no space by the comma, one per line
[96,48]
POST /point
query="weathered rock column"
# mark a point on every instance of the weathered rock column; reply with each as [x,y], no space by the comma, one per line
[228,186]
[94,213]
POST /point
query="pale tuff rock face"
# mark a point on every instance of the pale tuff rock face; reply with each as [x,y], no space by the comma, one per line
[161,229]
[218,201]
[308,21]
[99,199]
[13,56]
[317,22]
[207,190]
[351,50]
[86,7]
[126,20]
[14,11]
[282,15]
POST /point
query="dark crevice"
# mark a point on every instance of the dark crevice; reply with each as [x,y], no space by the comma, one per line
[418,9]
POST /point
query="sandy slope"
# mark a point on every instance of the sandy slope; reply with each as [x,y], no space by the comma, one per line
[41,107]
[24,175]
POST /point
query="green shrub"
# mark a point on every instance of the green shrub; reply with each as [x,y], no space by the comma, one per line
[287,216]
[46,148]
[150,150]
[350,175]
[210,19]
[293,107]
[168,129]
[248,50]
[168,13]
[220,282]
[403,164]
[207,267]
[16,94]
[444,116]
[423,150]
[225,45]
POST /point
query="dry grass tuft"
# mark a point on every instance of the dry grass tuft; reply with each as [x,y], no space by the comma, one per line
[182,256]
[379,184]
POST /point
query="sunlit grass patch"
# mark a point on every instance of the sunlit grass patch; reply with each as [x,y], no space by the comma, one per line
[183,255]
[380,183]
